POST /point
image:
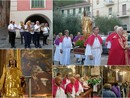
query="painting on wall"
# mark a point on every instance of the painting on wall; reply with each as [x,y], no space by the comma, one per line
[37,64]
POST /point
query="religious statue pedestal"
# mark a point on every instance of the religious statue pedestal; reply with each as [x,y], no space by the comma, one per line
[79,51]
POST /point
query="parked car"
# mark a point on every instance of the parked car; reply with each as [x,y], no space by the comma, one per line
[104,47]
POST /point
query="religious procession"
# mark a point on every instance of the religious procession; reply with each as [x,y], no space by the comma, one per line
[87,46]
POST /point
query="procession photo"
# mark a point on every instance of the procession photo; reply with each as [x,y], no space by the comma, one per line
[83,39]
[25,73]
[77,81]
[26,24]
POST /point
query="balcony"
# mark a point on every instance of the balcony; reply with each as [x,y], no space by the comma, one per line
[123,14]
[108,2]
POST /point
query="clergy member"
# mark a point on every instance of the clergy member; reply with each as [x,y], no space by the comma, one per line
[65,47]
[109,38]
[71,89]
[78,85]
[93,48]
[58,90]
[117,51]
[66,80]
[57,54]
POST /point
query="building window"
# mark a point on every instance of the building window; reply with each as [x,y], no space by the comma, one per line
[124,27]
[97,12]
[110,11]
[124,9]
[68,12]
[97,2]
[62,12]
[38,3]
[80,10]
[73,11]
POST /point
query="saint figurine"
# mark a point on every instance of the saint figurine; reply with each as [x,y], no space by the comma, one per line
[11,82]
[86,25]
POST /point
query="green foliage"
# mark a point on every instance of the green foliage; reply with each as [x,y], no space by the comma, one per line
[106,24]
[80,43]
[60,3]
[61,23]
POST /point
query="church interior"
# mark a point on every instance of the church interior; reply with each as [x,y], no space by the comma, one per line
[93,74]
[36,69]
[120,75]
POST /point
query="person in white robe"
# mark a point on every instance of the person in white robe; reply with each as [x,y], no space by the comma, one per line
[93,49]
[65,48]
[58,90]
[57,54]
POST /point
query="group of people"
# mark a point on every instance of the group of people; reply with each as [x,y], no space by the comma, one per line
[30,32]
[69,86]
[116,90]
[115,42]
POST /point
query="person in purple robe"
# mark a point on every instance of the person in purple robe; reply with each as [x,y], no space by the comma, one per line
[116,90]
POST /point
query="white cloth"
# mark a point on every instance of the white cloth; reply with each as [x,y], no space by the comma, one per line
[108,44]
[80,90]
[66,46]
[60,93]
[37,28]
[45,30]
[57,54]
[95,50]
[95,88]
[11,27]
[20,28]
[67,82]
[73,92]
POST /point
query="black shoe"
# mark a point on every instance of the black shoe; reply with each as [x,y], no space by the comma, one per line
[46,44]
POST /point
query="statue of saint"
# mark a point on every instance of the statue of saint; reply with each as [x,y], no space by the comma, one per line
[12,82]
[86,25]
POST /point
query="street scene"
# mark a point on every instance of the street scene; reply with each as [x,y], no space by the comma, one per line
[86,35]
[25,27]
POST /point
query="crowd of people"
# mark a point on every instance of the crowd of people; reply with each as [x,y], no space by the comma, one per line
[30,33]
[115,42]
[71,86]
[116,90]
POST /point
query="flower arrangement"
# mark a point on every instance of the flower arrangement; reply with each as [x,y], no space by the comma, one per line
[80,43]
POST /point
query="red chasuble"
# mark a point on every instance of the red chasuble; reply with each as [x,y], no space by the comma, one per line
[109,38]
[69,88]
[91,38]
[117,51]
[54,90]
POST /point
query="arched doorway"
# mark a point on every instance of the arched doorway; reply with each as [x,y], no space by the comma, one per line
[38,17]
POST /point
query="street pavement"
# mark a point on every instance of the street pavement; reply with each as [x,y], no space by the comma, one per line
[4,43]
[104,59]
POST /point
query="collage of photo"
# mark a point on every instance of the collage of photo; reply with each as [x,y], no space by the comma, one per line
[64,48]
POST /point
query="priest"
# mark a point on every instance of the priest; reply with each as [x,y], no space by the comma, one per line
[65,47]
[118,54]
[93,48]
[78,85]
[71,89]
[58,89]
[66,80]
[109,38]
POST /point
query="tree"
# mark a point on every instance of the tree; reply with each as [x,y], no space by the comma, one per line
[61,23]
[106,24]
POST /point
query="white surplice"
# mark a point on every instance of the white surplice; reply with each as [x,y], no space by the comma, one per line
[67,82]
[57,54]
[60,93]
[66,46]
[95,50]
[80,89]
[108,44]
